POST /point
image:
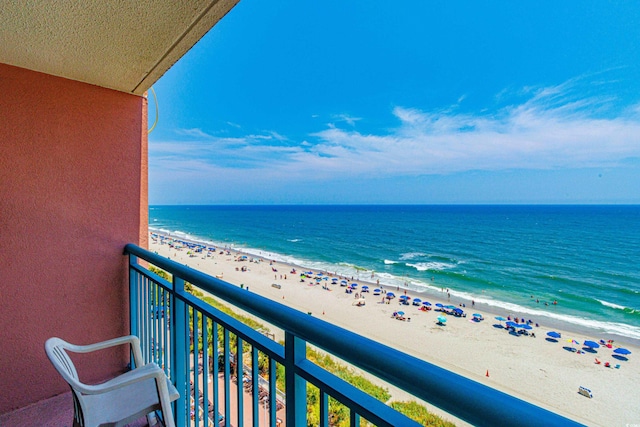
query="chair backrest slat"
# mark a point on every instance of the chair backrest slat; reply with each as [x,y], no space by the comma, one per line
[55,348]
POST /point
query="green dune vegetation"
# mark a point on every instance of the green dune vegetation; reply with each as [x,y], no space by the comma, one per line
[338,413]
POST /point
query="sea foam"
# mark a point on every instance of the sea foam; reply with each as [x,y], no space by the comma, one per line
[612,305]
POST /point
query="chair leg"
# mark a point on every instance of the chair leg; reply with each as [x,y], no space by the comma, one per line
[152,419]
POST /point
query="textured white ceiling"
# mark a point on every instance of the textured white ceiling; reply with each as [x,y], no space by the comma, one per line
[125,45]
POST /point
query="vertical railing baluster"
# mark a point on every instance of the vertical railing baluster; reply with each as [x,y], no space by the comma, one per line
[354,418]
[216,371]
[227,376]
[144,338]
[324,409]
[255,381]
[165,331]
[205,367]
[154,322]
[180,350]
[295,352]
[273,369]
[133,301]
[239,378]
[196,367]
[273,380]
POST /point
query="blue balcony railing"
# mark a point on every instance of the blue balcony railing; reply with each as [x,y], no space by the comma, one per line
[194,342]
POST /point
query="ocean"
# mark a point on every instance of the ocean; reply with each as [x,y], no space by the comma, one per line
[510,258]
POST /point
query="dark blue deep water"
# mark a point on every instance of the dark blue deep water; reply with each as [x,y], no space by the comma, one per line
[587,258]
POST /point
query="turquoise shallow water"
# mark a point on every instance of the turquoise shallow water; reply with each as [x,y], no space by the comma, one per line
[586,258]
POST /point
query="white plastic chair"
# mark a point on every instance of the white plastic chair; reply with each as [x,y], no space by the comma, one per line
[120,400]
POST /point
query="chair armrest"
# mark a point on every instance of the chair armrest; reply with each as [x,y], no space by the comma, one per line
[129,339]
[150,370]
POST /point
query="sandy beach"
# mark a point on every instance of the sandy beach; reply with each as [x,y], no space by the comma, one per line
[535,369]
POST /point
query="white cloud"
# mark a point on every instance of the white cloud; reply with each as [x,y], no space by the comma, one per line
[194,132]
[350,120]
[551,128]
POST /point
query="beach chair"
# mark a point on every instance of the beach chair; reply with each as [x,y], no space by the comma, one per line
[120,400]
[585,392]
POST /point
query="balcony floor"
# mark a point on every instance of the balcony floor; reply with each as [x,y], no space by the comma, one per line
[56,411]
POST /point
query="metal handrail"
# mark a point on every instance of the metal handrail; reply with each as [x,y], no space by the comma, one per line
[462,397]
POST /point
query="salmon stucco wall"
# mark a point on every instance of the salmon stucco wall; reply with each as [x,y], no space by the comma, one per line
[73,192]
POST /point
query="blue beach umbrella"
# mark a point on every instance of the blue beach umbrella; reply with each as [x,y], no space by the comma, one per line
[417,300]
[365,287]
[554,334]
[401,313]
[354,285]
[427,303]
[442,319]
[524,326]
[477,315]
[621,351]
[591,344]
[439,305]
[512,324]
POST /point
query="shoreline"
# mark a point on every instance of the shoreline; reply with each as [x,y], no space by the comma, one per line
[542,317]
[532,369]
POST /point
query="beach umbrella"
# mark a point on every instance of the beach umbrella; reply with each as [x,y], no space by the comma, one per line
[400,313]
[417,301]
[365,287]
[427,303]
[343,281]
[335,279]
[500,319]
[442,319]
[458,310]
[354,285]
[553,334]
[390,295]
[525,326]
[377,290]
[450,307]
[621,351]
[512,324]
[439,305]
[404,297]
[591,344]
[477,315]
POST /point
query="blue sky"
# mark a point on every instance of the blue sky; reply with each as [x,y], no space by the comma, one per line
[300,101]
